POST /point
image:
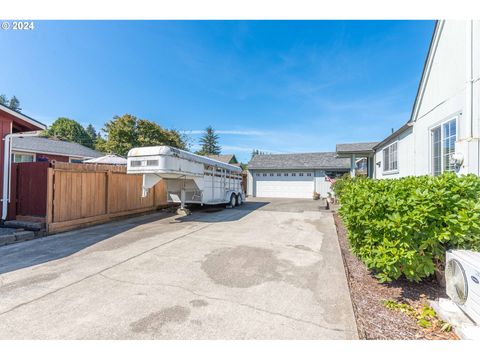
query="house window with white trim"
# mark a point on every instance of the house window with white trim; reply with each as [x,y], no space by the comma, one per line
[21,158]
[443,146]
[390,161]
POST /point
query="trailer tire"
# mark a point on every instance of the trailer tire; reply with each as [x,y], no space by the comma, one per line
[233,200]
[239,200]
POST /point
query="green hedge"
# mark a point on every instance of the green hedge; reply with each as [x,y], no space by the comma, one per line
[404,226]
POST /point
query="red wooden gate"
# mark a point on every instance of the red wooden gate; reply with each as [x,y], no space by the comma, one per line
[28,195]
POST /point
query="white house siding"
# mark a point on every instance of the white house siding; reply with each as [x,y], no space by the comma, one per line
[405,156]
[450,89]
[444,98]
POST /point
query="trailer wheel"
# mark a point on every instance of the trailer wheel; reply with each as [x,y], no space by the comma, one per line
[233,200]
[239,200]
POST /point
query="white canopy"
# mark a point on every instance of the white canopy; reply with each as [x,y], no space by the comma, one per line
[107,159]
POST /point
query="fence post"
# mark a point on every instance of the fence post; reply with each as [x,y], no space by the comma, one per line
[107,192]
[50,197]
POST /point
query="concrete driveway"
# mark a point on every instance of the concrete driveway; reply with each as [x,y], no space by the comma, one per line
[270,269]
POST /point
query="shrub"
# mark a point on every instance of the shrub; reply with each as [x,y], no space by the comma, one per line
[404,226]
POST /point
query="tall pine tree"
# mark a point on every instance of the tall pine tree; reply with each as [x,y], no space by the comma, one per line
[209,143]
[92,133]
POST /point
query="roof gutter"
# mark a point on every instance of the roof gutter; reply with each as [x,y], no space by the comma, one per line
[7,168]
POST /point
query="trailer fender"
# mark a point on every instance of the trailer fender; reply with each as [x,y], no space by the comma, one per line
[229,194]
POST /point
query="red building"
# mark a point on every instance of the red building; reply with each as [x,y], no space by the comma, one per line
[22,143]
[12,122]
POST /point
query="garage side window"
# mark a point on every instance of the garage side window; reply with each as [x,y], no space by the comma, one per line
[390,162]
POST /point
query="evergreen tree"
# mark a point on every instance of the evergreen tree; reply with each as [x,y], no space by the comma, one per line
[92,133]
[209,143]
[3,100]
[14,104]
[256,152]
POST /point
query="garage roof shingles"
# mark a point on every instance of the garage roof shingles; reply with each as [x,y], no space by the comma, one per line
[318,160]
[356,147]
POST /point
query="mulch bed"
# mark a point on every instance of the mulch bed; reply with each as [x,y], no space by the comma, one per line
[374,321]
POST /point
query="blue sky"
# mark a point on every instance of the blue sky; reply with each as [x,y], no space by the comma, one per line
[277,86]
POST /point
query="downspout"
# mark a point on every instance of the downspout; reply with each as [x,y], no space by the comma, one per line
[7,168]
[469,116]
[469,78]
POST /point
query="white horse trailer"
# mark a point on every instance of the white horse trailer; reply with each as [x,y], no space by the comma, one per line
[190,178]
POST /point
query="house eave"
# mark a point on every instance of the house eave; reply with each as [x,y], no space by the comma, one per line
[393,135]
[263,168]
[23,117]
[347,154]
[30,151]
[426,69]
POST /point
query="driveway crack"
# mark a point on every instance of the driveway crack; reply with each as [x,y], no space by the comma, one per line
[228,301]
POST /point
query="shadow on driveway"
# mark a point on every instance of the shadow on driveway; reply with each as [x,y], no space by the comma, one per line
[54,247]
[219,213]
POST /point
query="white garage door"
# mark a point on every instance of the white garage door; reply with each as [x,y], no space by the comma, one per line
[286,184]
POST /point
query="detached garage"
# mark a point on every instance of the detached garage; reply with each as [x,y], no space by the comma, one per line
[294,175]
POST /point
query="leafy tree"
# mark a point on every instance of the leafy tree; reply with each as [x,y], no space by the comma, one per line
[121,134]
[177,139]
[100,144]
[70,130]
[3,100]
[209,142]
[127,131]
[14,104]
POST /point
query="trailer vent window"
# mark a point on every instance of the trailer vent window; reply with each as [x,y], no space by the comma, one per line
[271,174]
[264,174]
[293,174]
[279,174]
[135,163]
[152,162]
[286,174]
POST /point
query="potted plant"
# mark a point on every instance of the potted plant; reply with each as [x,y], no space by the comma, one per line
[316,195]
[330,198]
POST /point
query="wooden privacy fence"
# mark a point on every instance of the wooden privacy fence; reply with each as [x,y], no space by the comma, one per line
[78,195]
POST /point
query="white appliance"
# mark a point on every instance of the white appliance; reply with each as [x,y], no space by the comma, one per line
[462,276]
